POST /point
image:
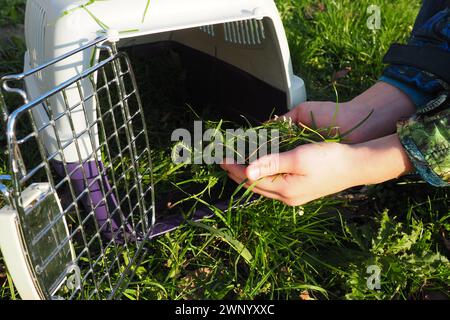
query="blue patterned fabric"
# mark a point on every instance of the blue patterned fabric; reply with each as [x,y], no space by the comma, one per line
[434,32]
[418,97]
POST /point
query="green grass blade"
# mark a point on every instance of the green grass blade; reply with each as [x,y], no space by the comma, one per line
[234,243]
[145,11]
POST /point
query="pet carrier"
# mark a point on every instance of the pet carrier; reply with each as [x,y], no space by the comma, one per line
[79,201]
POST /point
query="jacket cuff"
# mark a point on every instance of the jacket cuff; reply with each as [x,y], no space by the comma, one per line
[418,97]
[427,141]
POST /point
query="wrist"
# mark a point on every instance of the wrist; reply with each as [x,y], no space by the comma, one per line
[377,161]
[357,121]
[353,164]
[387,104]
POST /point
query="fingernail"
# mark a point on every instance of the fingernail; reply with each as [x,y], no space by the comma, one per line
[253,173]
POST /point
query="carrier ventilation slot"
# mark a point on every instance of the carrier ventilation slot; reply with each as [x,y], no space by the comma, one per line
[209,30]
[246,32]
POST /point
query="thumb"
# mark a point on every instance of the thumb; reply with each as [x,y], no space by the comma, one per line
[271,165]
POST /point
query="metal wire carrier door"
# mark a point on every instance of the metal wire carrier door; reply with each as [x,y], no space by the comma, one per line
[81,180]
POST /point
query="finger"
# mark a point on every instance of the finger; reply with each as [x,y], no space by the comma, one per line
[270,184]
[278,183]
[269,195]
[278,187]
[236,169]
[256,189]
[272,164]
[302,114]
[292,114]
[249,185]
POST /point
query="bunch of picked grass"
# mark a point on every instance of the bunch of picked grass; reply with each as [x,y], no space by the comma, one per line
[281,132]
[278,135]
[244,145]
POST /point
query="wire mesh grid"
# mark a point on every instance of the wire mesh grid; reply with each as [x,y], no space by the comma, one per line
[85,234]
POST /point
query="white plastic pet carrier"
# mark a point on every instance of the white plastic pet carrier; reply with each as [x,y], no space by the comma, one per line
[80,205]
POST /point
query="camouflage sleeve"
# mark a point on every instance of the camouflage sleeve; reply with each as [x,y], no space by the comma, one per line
[426,138]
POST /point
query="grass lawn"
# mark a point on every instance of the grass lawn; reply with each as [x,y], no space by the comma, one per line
[321,250]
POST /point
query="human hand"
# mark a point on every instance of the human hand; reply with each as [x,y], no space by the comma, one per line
[377,110]
[313,171]
[326,114]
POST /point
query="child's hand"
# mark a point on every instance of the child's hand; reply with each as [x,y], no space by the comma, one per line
[316,170]
[298,176]
[327,114]
[384,103]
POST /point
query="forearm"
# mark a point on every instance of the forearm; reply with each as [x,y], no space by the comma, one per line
[384,103]
[378,160]
[388,104]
